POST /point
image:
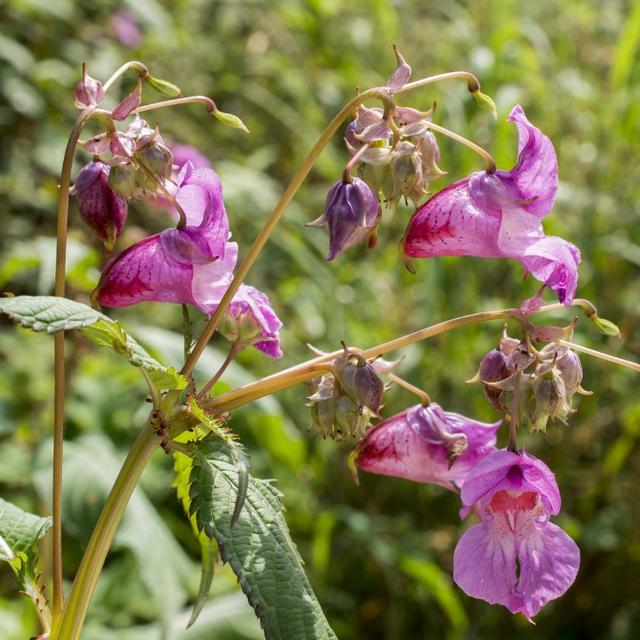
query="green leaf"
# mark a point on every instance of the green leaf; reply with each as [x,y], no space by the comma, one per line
[52,314]
[258,548]
[19,535]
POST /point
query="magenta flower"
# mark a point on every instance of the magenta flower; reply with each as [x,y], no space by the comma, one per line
[251,320]
[183,153]
[427,444]
[515,557]
[193,265]
[498,216]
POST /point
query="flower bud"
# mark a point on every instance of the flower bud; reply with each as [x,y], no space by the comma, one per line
[157,158]
[351,420]
[124,180]
[361,383]
[407,176]
[493,368]
[550,396]
[88,92]
[570,369]
[352,211]
[101,208]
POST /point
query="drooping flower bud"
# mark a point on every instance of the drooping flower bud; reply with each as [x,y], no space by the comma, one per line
[334,414]
[352,211]
[493,368]
[570,369]
[550,395]
[88,92]
[124,180]
[407,176]
[101,208]
[360,382]
[157,158]
[251,321]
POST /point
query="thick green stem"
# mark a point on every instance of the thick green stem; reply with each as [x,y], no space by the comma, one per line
[59,363]
[70,625]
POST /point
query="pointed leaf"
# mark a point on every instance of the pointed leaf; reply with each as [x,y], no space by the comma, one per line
[259,548]
[52,314]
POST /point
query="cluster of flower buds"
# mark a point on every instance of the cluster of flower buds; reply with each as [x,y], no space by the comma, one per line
[543,381]
[397,156]
[343,402]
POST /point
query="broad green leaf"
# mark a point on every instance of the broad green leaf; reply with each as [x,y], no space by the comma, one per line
[258,548]
[52,314]
[19,535]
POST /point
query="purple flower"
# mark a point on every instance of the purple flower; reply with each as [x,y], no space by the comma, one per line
[352,212]
[101,208]
[515,557]
[88,92]
[427,444]
[193,265]
[251,320]
[498,216]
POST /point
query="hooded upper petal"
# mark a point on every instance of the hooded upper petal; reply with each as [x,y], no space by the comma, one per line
[498,216]
[536,172]
[504,470]
[426,444]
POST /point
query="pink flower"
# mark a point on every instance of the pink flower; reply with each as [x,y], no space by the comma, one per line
[498,216]
[193,265]
[251,320]
[515,557]
[427,444]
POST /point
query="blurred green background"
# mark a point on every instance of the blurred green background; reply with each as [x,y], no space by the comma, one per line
[379,555]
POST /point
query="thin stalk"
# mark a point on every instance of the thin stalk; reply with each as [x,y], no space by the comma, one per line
[140,67]
[174,102]
[274,218]
[59,363]
[425,398]
[70,625]
[514,416]
[490,163]
[346,173]
[473,83]
[599,354]
[233,351]
[314,367]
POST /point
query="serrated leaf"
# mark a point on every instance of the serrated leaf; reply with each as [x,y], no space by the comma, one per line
[258,548]
[19,535]
[51,314]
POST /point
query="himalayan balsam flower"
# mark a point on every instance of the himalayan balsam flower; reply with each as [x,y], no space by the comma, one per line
[498,216]
[193,265]
[427,444]
[352,212]
[101,208]
[515,557]
[250,320]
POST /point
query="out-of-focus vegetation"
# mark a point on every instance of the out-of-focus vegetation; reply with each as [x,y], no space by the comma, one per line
[379,555]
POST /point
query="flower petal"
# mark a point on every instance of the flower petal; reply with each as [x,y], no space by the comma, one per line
[484,564]
[536,172]
[549,561]
[144,272]
[506,470]
[451,224]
